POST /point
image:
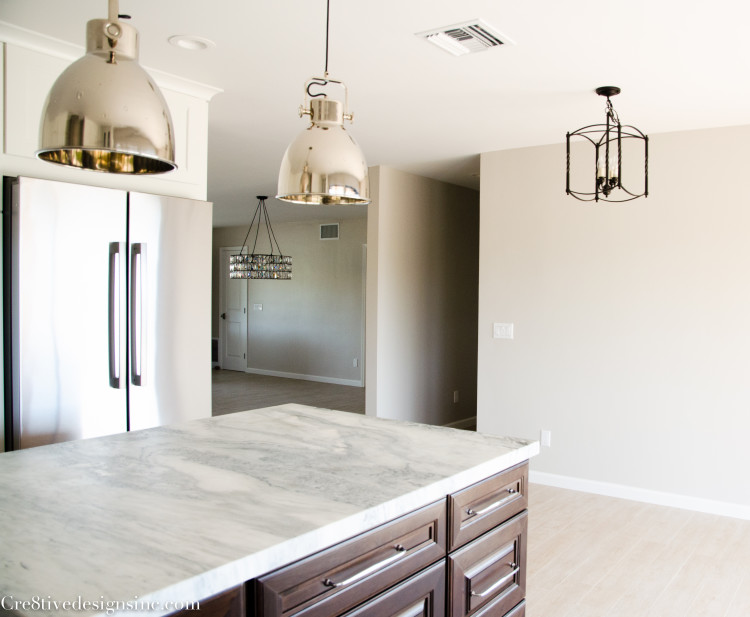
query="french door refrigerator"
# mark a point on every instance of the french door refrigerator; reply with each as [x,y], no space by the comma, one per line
[107,311]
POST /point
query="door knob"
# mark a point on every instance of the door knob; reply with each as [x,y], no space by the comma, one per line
[223,315]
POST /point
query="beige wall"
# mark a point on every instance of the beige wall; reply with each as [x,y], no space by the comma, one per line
[311,325]
[422,247]
[632,321]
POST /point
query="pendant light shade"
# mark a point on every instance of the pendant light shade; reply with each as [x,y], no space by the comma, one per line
[324,165]
[105,112]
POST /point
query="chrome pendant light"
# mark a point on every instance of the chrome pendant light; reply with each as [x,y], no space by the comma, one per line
[252,265]
[324,165]
[607,163]
[105,112]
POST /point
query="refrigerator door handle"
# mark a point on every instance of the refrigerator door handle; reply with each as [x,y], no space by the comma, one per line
[115,325]
[138,305]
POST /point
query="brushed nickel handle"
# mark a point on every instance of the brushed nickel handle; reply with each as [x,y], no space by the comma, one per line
[400,552]
[498,583]
[493,506]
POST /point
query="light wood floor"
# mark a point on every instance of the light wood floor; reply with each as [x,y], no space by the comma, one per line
[235,391]
[594,556]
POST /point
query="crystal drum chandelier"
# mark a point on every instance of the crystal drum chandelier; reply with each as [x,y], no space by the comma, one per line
[252,265]
[606,166]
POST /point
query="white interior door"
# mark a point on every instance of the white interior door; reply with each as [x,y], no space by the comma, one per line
[233,321]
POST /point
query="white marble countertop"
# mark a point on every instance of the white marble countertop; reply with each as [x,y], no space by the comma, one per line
[179,513]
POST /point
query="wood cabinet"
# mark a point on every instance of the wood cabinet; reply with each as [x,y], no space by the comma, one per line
[488,575]
[487,544]
[342,577]
[464,556]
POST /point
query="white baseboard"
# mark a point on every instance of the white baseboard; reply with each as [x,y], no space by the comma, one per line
[333,380]
[674,500]
[464,424]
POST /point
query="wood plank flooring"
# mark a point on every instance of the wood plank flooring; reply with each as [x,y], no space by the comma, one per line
[235,391]
[594,556]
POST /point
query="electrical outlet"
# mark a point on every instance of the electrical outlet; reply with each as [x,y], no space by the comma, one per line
[455,396]
[545,437]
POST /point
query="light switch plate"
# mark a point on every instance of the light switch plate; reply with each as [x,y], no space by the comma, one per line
[502,330]
[257,307]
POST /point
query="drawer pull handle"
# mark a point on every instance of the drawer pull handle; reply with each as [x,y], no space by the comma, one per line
[491,589]
[400,552]
[493,506]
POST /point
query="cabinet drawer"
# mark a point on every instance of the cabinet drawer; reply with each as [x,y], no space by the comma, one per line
[482,506]
[490,571]
[341,577]
[489,611]
[423,595]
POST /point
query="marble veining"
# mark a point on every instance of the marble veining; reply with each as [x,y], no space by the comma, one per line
[182,512]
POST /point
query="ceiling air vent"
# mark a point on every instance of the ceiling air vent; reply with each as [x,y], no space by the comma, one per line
[466,38]
[329,231]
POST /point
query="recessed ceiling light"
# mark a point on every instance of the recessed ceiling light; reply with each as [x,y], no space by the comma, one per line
[191,42]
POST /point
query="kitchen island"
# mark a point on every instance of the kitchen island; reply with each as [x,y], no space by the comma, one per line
[174,514]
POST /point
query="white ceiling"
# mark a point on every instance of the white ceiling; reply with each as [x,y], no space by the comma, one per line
[682,64]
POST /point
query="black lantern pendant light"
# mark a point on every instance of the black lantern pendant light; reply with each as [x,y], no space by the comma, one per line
[252,265]
[607,163]
[324,165]
[105,112]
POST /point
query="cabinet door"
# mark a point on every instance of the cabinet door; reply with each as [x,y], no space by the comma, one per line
[488,575]
[422,595]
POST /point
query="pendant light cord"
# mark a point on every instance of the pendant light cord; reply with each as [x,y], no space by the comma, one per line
[328,22]
[260,216]
[315,81]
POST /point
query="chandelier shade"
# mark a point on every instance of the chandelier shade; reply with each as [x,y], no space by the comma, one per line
[105,112]
[254,265]
[611,142]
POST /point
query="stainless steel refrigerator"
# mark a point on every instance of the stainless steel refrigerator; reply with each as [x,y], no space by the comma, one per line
[107,300]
